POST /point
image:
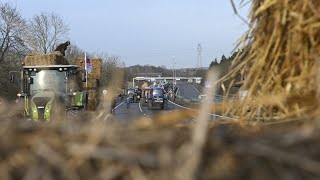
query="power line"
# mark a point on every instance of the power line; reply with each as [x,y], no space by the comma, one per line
[199,60]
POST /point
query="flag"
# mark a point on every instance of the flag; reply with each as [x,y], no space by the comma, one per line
[88,66]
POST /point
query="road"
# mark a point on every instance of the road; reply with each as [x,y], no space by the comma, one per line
[135,110]
[188,91]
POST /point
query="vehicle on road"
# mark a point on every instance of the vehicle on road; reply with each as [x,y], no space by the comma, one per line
[137,95]
[157,98]
[51,88]
[134,94]
[130,95]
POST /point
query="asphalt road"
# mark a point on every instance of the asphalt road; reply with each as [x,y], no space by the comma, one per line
[136,110]
[188,91]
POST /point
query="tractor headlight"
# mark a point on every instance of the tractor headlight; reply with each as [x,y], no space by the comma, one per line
[74,93]
[35,110]
[47,110]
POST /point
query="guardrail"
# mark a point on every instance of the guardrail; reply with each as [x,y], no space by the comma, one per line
[194,101]
[180,100]
[215,99]
[187,104]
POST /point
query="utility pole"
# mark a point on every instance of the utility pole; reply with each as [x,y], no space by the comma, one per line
[199,60]
[173,72]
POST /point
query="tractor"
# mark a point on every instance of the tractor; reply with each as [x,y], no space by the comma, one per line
[51,88]
[50,91]
[157,98]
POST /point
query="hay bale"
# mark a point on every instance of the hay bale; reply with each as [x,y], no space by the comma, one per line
[94,148]
[96,72]
[54,58]
[93,100]
[91,84]
[279,58]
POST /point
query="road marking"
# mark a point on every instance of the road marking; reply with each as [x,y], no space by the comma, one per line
[181,106]
[216,115]
[178,88]
[140,107]
[108,114]
[119,105]
[196,89]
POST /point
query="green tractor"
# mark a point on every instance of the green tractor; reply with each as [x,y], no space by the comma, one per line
[50,91]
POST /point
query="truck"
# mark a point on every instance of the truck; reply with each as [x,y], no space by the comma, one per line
[50,87]
[157,98]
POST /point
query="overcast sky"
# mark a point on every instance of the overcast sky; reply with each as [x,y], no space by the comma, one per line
[148,31]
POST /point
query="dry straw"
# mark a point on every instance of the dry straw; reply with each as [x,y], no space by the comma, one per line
[146,149]
[279,60]
[54,58]
[279,66]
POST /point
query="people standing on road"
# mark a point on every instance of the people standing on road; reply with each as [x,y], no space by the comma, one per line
[120,97]
[113,105]
[128,101]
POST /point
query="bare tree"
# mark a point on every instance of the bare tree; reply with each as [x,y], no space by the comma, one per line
[45,32]
[11,28]
[74,52]
[12,48]
[112,67]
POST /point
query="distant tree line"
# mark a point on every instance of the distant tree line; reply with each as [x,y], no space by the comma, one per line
[224,64]
[223,67]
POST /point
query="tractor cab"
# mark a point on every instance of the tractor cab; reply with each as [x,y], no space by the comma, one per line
[45,87]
